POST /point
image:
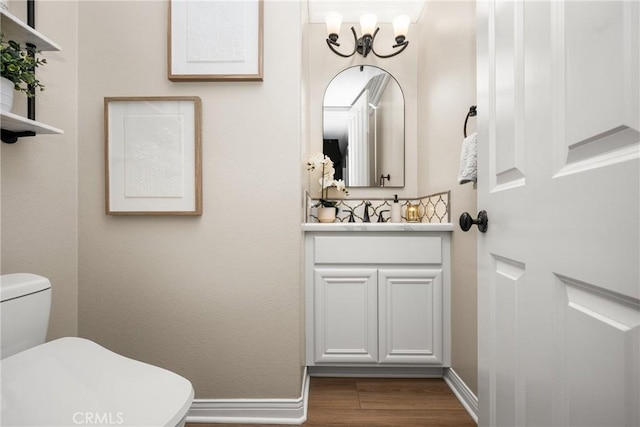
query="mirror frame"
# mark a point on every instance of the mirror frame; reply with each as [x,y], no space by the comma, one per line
[404,131]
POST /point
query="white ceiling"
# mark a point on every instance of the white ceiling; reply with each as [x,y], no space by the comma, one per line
[351,10]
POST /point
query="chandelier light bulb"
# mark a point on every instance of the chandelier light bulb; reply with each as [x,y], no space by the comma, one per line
[368,23]
[334,21]
[401,27]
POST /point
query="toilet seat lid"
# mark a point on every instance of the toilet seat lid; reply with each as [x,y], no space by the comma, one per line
[74,381]
[17,285]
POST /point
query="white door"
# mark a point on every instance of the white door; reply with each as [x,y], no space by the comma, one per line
[358,146]
[346,315]
[559,297]
[410,316]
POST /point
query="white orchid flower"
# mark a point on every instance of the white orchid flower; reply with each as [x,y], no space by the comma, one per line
[325,164]
[329,171]
[326,181]
[318,160]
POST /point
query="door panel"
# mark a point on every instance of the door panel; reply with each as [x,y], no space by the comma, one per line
[599,331]
[359,169]
[558,277]
[596,76]
[507,139]
[410,304]
[346,315]
[507,279]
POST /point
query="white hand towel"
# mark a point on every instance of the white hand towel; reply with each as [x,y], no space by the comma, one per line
[469,160]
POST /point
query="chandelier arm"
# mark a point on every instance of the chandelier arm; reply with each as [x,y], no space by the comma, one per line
[404,45]
[367,42]
[355,36]
[355,45]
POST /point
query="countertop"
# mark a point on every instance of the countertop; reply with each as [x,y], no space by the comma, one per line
[375,226]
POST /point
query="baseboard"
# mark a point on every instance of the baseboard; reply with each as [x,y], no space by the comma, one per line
[376,372]
[462,392]
[252,411]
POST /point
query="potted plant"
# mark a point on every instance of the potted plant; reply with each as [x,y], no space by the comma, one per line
[326,209]
[17,69]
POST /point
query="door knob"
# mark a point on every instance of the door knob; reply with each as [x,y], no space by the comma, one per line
[466,221]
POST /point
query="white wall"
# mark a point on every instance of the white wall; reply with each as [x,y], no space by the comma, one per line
[215,298]
[39,174]
[447,88]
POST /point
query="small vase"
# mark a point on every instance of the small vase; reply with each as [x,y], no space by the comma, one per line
[326,214]
[6,95]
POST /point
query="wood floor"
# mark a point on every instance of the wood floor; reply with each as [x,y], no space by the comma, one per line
[379,402]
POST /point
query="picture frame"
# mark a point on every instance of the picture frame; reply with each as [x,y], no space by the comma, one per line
[153,155]
[215,40]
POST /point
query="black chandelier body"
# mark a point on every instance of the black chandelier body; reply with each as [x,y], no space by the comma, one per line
[364,44]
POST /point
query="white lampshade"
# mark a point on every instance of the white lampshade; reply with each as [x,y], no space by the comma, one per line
[368,23]
[334,21]
[401,25]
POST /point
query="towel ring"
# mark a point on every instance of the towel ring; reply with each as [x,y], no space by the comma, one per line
[472,113]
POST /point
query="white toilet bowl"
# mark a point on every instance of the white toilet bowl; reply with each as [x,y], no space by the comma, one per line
[75,382]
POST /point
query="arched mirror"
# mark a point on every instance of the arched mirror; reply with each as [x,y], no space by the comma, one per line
[363,127]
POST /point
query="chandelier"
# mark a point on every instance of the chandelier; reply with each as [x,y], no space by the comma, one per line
[364,45]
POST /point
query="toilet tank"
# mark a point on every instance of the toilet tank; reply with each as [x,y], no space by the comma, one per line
[24,312]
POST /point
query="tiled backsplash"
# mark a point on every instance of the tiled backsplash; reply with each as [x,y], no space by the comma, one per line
[432,208]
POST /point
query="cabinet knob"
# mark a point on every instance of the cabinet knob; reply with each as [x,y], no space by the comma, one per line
[466,221]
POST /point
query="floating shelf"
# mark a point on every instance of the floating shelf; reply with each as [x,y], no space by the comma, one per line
[16,126]
[13,125]
[14,29]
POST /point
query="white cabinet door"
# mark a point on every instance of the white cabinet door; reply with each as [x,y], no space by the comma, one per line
[558,278]
[410,316]
[346,315]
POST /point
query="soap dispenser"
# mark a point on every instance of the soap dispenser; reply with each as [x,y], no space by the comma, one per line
[395,210]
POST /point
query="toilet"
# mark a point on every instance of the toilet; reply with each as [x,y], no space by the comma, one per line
[73,381]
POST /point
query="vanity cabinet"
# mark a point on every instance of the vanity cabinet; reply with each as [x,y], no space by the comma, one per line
[377,298]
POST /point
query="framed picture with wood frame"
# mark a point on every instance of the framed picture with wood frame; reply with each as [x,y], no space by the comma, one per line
[215,40]
[153,162]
